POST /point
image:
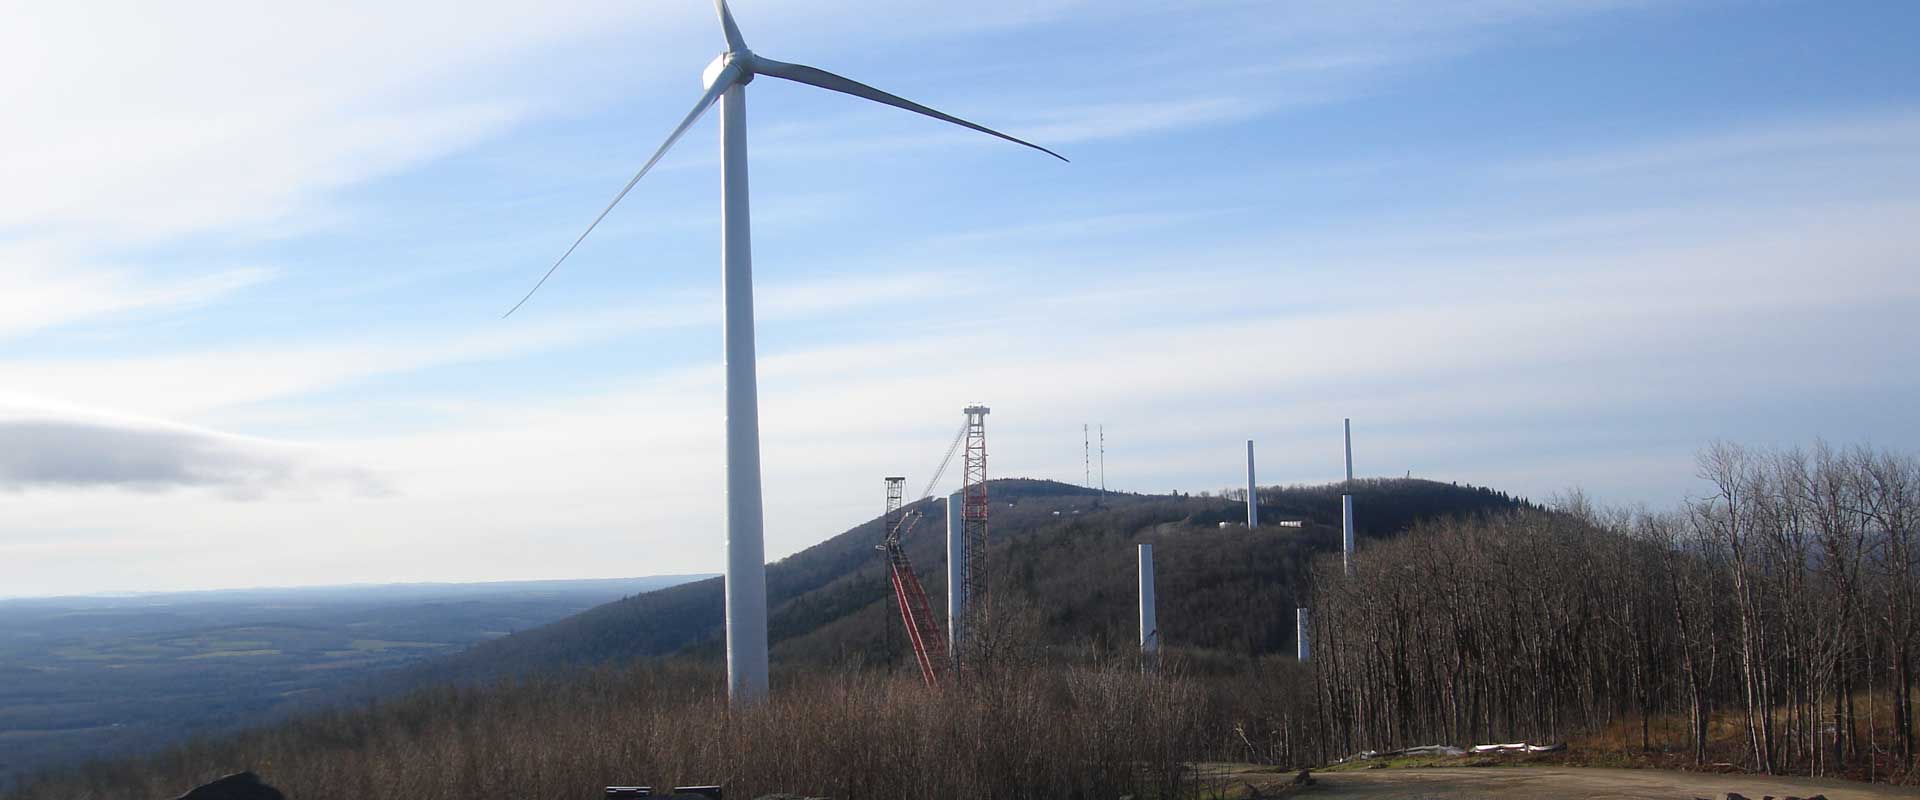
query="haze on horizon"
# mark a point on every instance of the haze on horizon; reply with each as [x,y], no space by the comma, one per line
[253,259]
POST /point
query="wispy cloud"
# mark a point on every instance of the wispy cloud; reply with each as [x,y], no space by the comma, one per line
[41,287]
[1876,136]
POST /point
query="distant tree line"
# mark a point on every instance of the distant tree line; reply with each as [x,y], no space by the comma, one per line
[1785,601]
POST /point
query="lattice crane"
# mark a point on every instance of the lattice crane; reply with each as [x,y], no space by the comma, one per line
[923,630]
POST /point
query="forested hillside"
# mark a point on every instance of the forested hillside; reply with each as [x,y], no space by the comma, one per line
[1772,624]
[1062,566]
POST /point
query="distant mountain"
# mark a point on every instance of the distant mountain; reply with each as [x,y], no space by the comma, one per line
[86,677]
[1061,561]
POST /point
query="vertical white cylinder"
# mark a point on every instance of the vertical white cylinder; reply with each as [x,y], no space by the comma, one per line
[1346,532]
[1149,624]
[1349,426]
[1253,491]
[746,582]
[956,574]
[1301,638]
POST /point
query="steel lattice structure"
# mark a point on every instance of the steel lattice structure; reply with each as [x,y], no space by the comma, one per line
[916,614]
[974,514]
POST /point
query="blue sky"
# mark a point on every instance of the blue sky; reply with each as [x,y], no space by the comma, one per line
[253,259]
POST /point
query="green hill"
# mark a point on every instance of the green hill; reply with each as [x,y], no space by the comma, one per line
[1062,571]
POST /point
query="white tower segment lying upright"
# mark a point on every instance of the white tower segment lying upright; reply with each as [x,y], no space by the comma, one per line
[1149,621]
[956,573]
[1301,639]
[1253,491]
[1346,508]
[726,82]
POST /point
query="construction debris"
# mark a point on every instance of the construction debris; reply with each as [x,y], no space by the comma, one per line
[1430,750]
[1518,747]
[1449,750]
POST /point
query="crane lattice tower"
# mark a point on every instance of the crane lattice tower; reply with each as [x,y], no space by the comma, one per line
[916,614]
[896,487]
[974,514]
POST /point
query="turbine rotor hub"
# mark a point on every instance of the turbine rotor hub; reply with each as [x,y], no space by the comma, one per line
[742,59]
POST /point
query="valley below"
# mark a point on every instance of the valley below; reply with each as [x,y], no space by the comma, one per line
[90,677]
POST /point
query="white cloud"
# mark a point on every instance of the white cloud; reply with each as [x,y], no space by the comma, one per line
[54,448]
[153,121]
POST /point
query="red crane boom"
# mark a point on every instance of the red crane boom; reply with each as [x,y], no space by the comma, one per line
[923,630]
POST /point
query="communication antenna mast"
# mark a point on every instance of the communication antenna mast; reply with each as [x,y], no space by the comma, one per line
[974,513]
[1086,457]
[1103,459]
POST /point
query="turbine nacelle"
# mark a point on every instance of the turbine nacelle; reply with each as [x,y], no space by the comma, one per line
[741,60]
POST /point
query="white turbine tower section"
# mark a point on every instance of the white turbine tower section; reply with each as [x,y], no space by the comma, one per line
[1346,508]
[1253,491]
[956,573]
[726,82]
[1301,639]
[746,581]
[1149,623]
[1348,422]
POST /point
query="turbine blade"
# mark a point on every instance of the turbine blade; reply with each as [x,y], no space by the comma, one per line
[812,76]
[725,79]
[734,40]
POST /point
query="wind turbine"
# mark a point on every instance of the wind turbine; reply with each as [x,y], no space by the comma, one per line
[726,81]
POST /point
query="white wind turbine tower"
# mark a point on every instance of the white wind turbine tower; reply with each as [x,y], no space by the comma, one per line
[726,81]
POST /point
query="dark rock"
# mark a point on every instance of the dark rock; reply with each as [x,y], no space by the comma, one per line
[1305,778]
[1736,796]
[238,786]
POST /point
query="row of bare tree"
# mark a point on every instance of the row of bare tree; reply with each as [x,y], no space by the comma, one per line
[1784,603]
